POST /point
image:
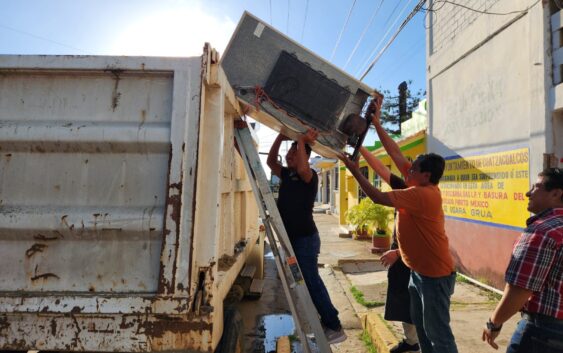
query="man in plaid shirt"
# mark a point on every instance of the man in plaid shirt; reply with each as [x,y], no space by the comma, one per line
[534,277]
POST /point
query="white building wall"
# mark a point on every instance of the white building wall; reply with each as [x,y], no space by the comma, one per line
[489,79]
[491,95]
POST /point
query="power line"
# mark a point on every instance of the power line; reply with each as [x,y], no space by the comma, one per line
[366,58]
[406,56]
[484,12]
[409,17]
[363,33]
[271,24]
[287,25]
[304,20]
[343,29]
[386,33]
[41,38]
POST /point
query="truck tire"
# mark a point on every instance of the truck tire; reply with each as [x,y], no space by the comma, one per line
[232,339]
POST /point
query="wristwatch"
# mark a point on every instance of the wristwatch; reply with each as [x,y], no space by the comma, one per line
[492,327]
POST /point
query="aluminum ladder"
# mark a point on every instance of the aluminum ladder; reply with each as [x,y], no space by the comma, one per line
[305,315]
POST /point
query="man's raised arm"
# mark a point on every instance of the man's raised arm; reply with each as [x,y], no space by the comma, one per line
[374,110]
[272,161]
[375,164]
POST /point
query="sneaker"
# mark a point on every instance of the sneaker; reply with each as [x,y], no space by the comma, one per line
[335,336]
[404,347]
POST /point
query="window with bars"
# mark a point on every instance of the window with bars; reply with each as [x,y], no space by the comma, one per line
[336,178]
[365,173]
[376,181]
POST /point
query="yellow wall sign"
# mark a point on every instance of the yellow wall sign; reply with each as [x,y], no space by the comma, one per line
[488,188]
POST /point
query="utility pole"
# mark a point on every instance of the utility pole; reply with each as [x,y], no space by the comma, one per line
[403,114]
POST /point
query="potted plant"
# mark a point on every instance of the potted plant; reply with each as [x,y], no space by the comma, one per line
[379,220]
[358,218]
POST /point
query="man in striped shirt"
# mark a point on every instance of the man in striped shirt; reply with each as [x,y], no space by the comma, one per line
[534,277]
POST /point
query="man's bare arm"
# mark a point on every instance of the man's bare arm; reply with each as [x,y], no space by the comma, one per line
[376,165]
[512,301]
[371,191]
[303,168]
[374,110]
[272,161]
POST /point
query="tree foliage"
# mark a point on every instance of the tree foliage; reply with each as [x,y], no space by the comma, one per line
[390,117]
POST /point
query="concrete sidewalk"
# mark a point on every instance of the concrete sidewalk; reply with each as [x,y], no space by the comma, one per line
[470,308]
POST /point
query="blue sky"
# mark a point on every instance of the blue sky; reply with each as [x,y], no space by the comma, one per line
[180,27]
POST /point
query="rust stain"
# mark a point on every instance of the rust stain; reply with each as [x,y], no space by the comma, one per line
[92,328]
[154,332]
[143,117]
[45,276]
[19,345]
[225,262]
[42,237]
[76,338]
[162,327]
[124,324]
[35,248]
[4,324]
[175,201]
[64,221]
[177,185]
[164,285]
[116,95]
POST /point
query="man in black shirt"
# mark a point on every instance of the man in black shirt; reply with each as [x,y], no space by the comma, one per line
[296,199]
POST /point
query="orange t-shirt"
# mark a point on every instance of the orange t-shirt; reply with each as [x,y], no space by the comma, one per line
[421,235]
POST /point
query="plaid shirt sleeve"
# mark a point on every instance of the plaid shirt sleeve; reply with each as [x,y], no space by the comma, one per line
[532,257]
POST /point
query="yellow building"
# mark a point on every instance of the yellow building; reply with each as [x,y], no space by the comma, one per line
[328,173]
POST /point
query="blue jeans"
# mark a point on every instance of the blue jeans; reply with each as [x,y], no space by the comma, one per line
[430,312]
[307,253]
[538,335]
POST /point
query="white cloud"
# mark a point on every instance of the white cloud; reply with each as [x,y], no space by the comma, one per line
[175,32]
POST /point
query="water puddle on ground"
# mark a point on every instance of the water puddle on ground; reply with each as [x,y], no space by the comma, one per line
[276,326]
[269,254]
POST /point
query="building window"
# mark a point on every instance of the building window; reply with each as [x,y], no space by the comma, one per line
[364,171]
[336,178]
[376,181]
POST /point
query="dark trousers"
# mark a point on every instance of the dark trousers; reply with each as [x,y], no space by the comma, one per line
[537,334]
[430,311]
[307,251]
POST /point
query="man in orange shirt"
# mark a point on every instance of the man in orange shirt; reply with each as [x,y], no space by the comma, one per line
[423,244]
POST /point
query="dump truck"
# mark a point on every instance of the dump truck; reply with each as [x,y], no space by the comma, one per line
[125,212]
